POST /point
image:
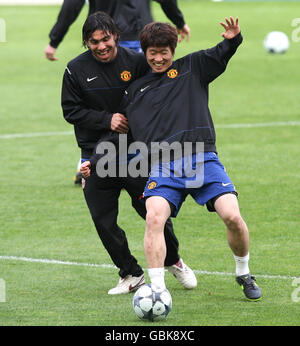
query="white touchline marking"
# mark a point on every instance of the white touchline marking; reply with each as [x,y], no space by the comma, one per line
[52,261]
[35,134]
[30,2]
[272,124]
[226,126]
[111,266]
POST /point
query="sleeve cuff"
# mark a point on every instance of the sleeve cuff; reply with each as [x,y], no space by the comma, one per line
[107,121]
[237,40]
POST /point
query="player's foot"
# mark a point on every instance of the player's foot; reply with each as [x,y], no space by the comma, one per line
[77,178]
[128,284]
[250,288]
[183,274]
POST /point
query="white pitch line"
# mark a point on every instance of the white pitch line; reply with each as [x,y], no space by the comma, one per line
[30,2]
[227,126]
[82,264]
[52,261]
[272,124]
[35,134]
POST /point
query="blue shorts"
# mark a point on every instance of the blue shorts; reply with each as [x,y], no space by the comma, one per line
[201,175]
[135,45]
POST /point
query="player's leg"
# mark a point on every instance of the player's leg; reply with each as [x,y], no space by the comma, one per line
[218,193]
[238,239]
[173,262]
[158,211]
[135,188]
[237,232]
[102,199]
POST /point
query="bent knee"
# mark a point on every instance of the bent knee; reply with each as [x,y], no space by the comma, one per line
[234,221]
[155,218]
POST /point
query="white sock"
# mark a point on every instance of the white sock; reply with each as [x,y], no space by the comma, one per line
[242,267]
[79,165]
[157,276]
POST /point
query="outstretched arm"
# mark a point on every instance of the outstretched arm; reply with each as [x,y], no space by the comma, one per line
[210,63]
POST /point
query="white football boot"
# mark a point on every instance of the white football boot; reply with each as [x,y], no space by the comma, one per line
[183,274]
[128,284]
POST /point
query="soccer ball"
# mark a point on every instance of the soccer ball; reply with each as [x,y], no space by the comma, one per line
[276,42]
[152,303]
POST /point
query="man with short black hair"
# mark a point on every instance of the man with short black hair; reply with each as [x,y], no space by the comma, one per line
[175,107]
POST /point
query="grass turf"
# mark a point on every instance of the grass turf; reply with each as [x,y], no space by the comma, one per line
[43,215]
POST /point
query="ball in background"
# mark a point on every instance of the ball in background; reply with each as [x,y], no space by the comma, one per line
[276,42]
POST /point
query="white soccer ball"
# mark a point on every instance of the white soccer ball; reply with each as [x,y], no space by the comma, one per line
[276,42]
[152,303]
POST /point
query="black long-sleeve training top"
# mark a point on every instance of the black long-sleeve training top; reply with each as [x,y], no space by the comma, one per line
[92,91]
[173,106]
[129,15]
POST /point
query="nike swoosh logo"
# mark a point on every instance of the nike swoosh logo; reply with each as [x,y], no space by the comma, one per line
[145,88]
[90,79]
[140,283]
[225,184]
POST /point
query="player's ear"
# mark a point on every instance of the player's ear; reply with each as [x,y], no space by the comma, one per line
[86,43]
[116,37]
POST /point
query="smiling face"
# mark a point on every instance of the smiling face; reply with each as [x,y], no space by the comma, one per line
[103,46]
[159,58]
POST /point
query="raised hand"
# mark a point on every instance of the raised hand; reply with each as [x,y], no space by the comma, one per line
[231,27]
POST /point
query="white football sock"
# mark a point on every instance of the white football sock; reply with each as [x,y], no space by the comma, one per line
[242,267]
[79,165]
[157,276]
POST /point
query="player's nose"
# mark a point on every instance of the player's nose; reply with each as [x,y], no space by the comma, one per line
[158,58]
[101,45]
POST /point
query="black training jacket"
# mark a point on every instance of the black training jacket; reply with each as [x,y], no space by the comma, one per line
[173,106]
[92,91]
[129,15]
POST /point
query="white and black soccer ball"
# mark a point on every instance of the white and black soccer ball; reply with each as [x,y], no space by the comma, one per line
[276,42]
[152,303]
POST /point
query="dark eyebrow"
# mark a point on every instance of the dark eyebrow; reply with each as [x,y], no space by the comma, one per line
[158,49]
[103,38]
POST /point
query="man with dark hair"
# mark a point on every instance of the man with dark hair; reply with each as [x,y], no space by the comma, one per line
[130,17]
[170,105]
[171,83]
[93,87]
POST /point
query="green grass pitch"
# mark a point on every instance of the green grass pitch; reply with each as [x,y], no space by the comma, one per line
[44,216]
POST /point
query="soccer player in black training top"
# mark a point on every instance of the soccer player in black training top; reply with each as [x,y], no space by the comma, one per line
[175,94]
[170,104]
[130,17]
[93,86]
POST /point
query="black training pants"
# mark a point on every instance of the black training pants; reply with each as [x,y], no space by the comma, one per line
[101,195]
